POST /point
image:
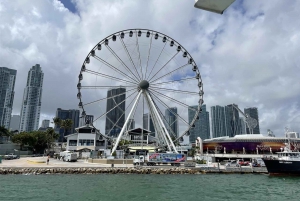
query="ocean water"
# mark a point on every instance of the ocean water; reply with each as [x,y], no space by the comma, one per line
[123,187]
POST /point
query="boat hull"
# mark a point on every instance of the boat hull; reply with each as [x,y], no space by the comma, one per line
[282,167]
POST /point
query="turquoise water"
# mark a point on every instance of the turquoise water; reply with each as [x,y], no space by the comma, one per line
[123,187]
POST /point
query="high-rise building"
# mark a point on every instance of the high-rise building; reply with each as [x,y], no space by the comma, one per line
[45,123]
[31,104]
[148,124]
[15,122]
[67,114]
[7,86]
[242,126]
[232,120]
[115,107]
[253,112]
[84,120]
[202,127]
[218,121]
[172,121]
[131,124]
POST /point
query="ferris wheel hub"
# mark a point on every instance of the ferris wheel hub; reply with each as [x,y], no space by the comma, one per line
[144,84]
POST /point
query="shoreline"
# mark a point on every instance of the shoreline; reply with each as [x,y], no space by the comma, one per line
[119,170]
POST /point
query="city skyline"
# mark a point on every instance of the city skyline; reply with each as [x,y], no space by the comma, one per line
[236,53]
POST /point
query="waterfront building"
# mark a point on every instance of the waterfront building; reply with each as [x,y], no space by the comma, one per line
[115,119]
[232,120]
[88,118]
[84,140]
[45,123]
[202,127]
[15,122]
[67,114]
[253,112]
[7,86]
[31,103]
[148,124]
[172,121]
[218,121]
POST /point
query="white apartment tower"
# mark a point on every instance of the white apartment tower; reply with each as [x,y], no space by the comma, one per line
[7,85]
[31,104]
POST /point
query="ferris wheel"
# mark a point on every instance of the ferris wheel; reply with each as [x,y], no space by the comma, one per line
[135,75]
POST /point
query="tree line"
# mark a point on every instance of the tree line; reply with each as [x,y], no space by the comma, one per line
[38,141]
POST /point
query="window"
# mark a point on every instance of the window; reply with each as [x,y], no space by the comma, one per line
[84,142]
[72,142]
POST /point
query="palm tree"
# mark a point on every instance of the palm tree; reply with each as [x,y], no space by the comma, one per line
[51,137]
[4,131]
[57,121]
[66,125]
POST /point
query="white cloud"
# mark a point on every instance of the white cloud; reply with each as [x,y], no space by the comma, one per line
[248,56]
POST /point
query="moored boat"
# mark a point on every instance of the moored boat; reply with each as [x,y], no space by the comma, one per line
[286,162]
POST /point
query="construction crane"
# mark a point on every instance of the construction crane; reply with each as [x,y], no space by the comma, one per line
[251,122]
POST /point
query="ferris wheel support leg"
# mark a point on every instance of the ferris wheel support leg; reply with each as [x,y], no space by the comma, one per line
[159,132]
[126,122]
[161,123]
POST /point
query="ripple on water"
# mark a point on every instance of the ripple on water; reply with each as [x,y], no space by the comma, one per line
[212,187]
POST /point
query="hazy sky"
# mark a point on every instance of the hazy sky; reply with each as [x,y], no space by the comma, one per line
[248,56]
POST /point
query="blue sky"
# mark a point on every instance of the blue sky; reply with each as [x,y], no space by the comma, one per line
[69,5]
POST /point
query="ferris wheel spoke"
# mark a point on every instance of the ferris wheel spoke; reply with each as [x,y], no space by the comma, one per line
[164,66]
[149,51]
[174,90]
[156,60]
[103,87]
[114,68]
[169,109]
[122,62]
[114,107]
[130,58]
[172,81]
[172,99]
[138,48]
[171,72]
[108,76]
[107,98]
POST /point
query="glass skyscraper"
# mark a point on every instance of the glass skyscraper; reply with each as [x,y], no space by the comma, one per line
[172,121]
[232,120]
[115,116]
[218,121]
[32,100]
[202,127]
[253,112]
[7,86]
[148,124]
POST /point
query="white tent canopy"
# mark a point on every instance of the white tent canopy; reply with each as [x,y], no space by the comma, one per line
[216,6]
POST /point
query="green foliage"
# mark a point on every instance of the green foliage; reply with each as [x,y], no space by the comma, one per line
[201,161]
[38,141]
[114,154]
[4,132]
[66,125]
[57,121]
